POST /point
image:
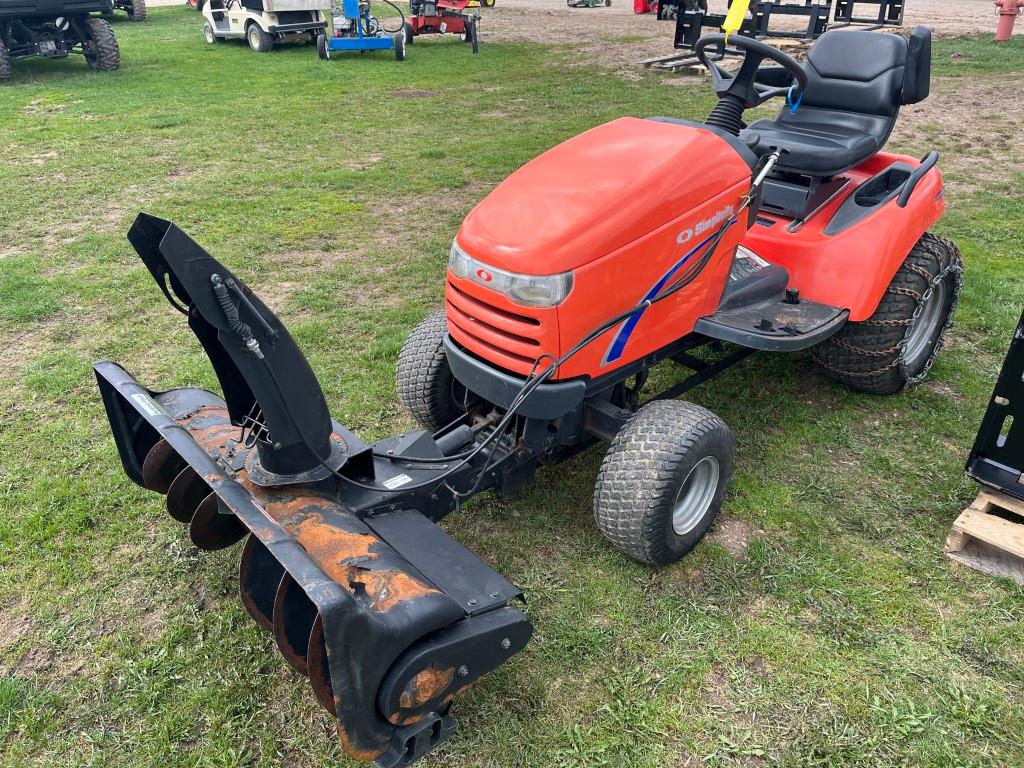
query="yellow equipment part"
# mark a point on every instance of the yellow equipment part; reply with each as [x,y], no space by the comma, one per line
[734,18]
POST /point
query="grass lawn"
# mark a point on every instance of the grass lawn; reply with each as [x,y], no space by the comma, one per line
[820,625]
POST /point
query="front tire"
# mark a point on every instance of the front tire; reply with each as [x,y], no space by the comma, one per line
[259,41]
[663,480]
[399,38]
[896,346]
[425,384]
[138,10]
[208,34]
[101,50]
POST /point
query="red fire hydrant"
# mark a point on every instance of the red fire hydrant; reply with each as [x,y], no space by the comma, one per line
[1008,11]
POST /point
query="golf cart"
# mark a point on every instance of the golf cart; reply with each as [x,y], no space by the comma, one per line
[264,22]
[56,29]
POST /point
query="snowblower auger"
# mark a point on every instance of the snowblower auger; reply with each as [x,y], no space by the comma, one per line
[388,616]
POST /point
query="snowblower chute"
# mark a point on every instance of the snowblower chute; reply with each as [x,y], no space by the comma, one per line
[388,616]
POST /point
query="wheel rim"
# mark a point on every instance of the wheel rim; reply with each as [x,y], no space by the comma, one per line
[253,40]
[924,329]
[695,495]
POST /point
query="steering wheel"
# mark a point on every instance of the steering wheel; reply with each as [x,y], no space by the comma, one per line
[743,85]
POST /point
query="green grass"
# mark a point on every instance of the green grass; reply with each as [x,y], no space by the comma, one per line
[841,636]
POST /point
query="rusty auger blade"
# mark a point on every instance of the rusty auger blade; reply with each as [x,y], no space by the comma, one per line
[386,614]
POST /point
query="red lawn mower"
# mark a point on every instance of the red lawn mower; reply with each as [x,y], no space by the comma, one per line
[791,233]
[438,17]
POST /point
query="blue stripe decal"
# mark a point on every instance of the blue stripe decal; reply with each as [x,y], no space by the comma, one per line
[626,329]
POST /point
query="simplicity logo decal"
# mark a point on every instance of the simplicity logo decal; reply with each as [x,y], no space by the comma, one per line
[618,344]
[703,226]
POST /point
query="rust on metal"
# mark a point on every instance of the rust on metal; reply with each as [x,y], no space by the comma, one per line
[294,616]
[366,755]
[259,578]
[333,548]
[319,668]
[398,718]
[210,424]
[426,686]
[386,588]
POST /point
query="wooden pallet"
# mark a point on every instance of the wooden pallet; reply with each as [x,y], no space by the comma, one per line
[989,535]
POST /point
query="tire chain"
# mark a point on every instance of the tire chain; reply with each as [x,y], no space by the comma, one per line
[954,266]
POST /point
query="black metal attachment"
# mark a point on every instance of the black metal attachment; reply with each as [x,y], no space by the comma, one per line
[260,367]
[888,13]
[997,458]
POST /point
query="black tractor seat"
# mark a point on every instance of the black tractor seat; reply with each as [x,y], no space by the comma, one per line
[856,82]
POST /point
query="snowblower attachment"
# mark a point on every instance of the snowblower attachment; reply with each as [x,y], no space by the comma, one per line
[388,616]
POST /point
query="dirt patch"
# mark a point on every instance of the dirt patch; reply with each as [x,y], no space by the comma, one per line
[37,107]
[732,534]
[718,689]
[616,39]
[15,626]
[960,119]
[363,162]
[413,94]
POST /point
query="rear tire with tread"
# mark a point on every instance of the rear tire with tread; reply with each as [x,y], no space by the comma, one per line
[647,472]
[425,384]
[138,11]
[871,355]
[101,50]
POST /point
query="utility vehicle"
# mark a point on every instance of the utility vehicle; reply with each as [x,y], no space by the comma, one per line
[263,23]
[136,9]
[56,29]
[636,242]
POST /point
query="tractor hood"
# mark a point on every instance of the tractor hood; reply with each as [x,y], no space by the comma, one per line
[598,192]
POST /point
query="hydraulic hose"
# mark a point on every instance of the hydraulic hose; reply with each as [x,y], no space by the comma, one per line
[401,27]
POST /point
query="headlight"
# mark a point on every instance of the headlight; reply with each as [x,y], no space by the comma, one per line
[527,290]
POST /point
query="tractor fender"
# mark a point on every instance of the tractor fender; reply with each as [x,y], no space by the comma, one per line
[846,254]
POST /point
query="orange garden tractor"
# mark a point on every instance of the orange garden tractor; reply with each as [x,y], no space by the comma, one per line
[638,242]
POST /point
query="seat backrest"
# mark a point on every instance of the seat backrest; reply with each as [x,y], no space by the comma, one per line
[856,71]
[918,76]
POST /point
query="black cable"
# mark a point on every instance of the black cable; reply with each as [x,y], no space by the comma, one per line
[401,27]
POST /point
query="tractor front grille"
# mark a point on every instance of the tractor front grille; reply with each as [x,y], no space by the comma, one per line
[509,339]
